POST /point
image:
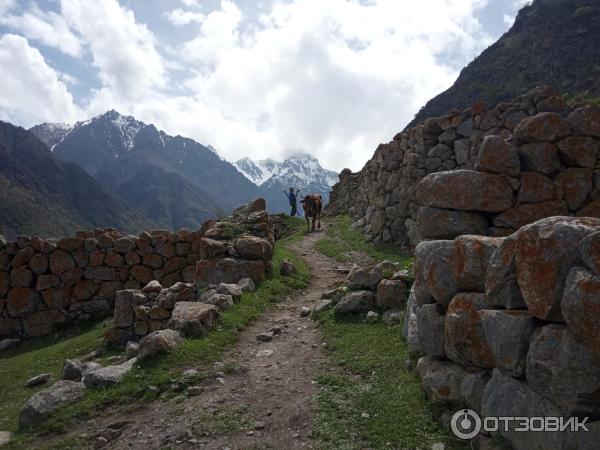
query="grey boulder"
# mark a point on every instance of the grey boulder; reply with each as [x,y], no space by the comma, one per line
[44,402]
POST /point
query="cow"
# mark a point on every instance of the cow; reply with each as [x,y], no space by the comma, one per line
[312,205]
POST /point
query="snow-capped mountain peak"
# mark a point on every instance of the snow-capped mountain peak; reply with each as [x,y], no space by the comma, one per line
[52,133]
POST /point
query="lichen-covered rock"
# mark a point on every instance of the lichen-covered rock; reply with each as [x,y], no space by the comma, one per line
[441,380]
[561,368]
[469,261]
[437,223]
[504,396]
[545,252]
[229,270]
[253,247]
[356,302]
[529,213]
[589,247]
[391,294]
[478,191]
[464,337]
[433,277]
[44,402]
[496,155]
[161,341]
[508,334]
[544,127]
[579,151]
[193,319]
[586,121]
[501,287]
[581,307]
[542,158]
[430,323]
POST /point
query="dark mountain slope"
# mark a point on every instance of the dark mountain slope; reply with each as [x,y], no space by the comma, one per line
[42,195]
[553,42]
[121,152]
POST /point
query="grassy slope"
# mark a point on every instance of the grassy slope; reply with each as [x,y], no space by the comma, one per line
[368,398]
[47,356]
[341,240]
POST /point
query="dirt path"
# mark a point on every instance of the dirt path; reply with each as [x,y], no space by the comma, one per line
[268,403]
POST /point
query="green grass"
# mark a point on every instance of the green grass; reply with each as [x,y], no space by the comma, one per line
[341,239]
[368,398]
[44,356]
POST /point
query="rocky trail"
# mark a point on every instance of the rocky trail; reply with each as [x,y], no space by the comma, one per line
[265,402]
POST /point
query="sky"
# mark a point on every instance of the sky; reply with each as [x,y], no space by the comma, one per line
[253,78]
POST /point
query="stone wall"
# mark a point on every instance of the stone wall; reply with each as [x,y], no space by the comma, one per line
[510,326]
[502,167]
[45,284]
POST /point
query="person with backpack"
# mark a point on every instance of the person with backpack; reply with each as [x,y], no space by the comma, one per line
[293,201]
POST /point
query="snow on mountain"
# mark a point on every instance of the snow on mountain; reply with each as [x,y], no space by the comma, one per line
[301,172]
[51,133]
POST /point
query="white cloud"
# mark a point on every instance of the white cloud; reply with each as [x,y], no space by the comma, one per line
[49,28]
[180,17]
[123,50]
[31,92]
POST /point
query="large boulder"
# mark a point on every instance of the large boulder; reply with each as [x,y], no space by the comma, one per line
[522,215]
[478,191]
[160,341]
[545,252]
[505,396]
[193,319]
[430,323]
[581,307]
[576,184]
[508,334]
[254,248]
[108,376]
[229,270]
[589,247]
[542,158]
[544,127]
[464,337]
[561,368]
[472,387]
[441,380]
[501,287]
[391,294]
[586,121]
[365,277]
[433,278]
[356,302]
[469,261]
[496,155]
[44,402]
[436,223]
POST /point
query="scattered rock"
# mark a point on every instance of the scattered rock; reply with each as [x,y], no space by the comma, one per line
[264,353]
[356,302]
[232,290]
[161,341]
[74,370]
[324,305]
[6,344]
[152,287]
[247,285]
[287,268]
[41,404]
[391,294]
[221,301]
[39,380]
[266,336]
[372,317]
[108,376]
[193,319]
[304,311]
[132,349]
[392,316]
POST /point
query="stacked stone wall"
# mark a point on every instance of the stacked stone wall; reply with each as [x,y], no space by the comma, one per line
[47,284]
[509,327]
[484,171]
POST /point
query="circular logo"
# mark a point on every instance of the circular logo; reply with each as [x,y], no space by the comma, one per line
[465,424]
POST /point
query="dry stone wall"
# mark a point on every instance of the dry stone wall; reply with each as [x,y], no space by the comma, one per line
[45,284]
[510,326]
[484,171]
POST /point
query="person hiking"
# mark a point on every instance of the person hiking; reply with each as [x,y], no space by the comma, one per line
[292,199]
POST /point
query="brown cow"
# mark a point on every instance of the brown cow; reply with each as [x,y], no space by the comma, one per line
[312,205]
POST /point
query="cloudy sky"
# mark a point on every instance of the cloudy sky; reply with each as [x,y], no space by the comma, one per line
[256,78]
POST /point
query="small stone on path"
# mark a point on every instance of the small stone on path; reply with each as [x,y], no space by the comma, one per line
[304,311]
[265,337]
[262,353]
